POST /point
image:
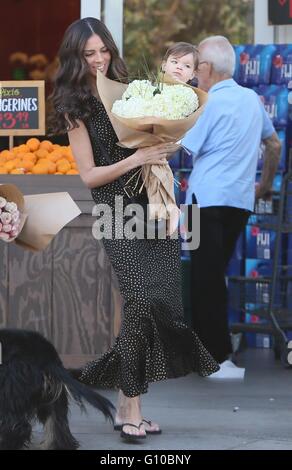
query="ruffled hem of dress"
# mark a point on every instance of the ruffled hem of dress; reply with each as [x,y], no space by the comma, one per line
[107,371]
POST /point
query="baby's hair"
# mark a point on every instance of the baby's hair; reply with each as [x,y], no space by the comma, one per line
[179,49]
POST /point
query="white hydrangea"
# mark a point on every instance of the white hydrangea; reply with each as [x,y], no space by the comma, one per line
[139,88]
[139,100]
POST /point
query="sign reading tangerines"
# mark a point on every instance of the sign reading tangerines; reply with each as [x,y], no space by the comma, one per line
[22,107]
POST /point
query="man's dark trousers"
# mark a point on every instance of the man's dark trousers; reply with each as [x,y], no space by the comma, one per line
[220,227]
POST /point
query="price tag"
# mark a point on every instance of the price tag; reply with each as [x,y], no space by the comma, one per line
[22,108]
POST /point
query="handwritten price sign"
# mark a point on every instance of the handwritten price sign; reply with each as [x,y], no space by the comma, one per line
[14,121]
[22,108]
[280,11]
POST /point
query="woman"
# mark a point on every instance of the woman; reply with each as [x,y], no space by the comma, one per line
[154,343]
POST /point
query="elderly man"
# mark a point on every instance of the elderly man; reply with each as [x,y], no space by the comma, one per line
[225,144]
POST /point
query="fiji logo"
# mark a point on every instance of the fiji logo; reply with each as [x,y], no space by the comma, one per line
[272,110]
[286,71]
[263,239]
[252,67]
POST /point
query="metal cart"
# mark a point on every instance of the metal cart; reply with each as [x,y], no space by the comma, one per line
[269,297]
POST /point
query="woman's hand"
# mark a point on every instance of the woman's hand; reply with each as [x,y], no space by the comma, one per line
[156,154]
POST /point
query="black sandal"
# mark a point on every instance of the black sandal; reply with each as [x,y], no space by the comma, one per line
[118,427]
[131,437]
[155,431]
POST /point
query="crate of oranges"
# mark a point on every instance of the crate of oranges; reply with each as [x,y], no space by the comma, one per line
[38,158]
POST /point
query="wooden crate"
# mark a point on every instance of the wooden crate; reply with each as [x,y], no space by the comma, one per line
[69,291]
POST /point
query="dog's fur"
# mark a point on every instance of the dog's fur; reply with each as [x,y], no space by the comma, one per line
[35,385]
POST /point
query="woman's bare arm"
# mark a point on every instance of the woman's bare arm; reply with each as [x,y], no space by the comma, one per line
[94,176]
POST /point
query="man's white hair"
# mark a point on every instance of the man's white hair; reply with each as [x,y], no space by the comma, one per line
[218,51]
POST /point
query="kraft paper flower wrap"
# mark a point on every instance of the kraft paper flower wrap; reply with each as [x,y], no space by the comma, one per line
[146,131]
[42,216]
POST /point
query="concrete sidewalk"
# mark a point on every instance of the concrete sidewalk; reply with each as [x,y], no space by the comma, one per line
[197,413]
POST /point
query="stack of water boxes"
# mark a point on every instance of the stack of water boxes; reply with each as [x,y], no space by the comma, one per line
[181,165]
[267,69]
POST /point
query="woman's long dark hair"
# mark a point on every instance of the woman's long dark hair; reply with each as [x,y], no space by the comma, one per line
[71,85]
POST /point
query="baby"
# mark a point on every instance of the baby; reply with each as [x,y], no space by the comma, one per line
[180,62]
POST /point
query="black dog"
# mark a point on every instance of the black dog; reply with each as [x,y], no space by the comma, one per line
[35,385]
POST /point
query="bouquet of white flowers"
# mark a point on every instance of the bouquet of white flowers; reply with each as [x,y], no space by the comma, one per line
[11,219]
[142,115]
[142,99]
[32,221]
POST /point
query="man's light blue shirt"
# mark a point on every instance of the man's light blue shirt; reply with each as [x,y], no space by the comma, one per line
[225,144]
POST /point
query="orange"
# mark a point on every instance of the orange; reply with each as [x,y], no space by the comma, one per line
[27,164]
[46,145]
[52,168]
[9,165]
[23,148]
[7,155]
[72,172]
[40,170]
[30,156]
[45,163]
[74,166]
[17,171]
[19,155]
[33,144]
[41,153]
[62,168]
[3,171]
[63,161]
[55,155]
[17,162]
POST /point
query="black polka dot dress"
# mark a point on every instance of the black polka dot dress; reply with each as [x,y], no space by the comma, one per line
[154,342]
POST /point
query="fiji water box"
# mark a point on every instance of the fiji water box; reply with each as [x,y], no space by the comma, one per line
[255,63]
[275,100]
[281,71]
[258,268]
[265,209]
[258,293]
[186,159]
[257,340]
[287,293]
[235,267]
[183,184]
[263,341]
[181,160]
[181,178]
[277,180]
[282,164]
[238,49]
[233,316]
[238,253]
[175,161]
[289,133]
[177,176]
[260,244]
